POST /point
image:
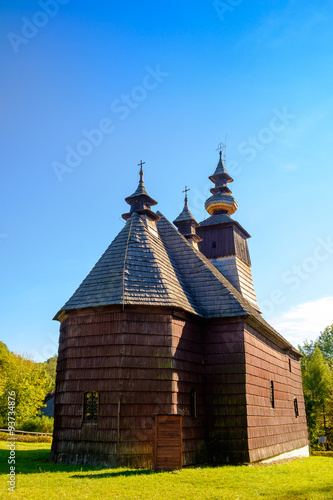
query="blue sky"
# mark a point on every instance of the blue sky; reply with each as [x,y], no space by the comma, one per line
[163,82]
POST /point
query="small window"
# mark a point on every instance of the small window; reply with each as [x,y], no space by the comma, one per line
[90,406]
[289,364]
[296,407]
[214,244]
[193,403]
[272,395]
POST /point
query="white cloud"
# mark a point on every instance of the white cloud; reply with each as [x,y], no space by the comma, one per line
[305,321]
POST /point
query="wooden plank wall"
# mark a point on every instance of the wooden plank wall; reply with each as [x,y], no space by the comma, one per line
[272,431]
[229,241]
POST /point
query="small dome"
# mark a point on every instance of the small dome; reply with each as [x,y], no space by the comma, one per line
[219,202]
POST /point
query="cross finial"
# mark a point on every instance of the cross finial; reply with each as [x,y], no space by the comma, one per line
[186,190]
[222,147]
[141,165]
[141,170]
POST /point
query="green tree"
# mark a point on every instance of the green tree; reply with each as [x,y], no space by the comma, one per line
[28,380]
[316,379]
[50,367]
[317,384]
[324,342]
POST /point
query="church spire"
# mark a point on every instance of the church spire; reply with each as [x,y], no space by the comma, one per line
[186,223]
[140,201]
[224,240]
[221,202]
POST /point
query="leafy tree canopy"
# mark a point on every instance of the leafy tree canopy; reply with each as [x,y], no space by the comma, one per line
[29,381]
[324,342]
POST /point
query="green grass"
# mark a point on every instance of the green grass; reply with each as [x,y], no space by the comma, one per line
[38,479]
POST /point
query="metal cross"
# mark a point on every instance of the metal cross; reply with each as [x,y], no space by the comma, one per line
[186,190]
[222,146]
[141,164]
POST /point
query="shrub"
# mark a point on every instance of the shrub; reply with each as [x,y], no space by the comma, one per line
[322,453]
[38,424]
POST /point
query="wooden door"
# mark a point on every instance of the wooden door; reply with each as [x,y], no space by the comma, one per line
[168,442]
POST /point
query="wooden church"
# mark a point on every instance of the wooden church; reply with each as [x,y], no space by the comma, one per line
[164,357]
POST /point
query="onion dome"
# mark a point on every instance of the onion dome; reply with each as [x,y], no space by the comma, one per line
[186,223]
[140,201]
[221,202]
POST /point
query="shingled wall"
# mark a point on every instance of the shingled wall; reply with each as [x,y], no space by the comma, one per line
[188,353]
[148,360]
[224,358]
[152,361]
[124,355]
[272,431]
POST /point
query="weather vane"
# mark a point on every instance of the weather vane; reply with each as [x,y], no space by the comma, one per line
[222,147]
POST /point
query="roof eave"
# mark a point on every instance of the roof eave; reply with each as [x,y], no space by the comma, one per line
[269,333]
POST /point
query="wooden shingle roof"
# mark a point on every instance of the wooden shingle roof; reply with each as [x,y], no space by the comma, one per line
[143,266]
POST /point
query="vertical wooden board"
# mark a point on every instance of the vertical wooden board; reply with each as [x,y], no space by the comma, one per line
[168,442]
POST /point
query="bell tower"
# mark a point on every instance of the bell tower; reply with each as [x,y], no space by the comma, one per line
[224,240]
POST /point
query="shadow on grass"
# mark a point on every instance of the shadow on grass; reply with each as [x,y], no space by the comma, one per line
[38,461]
[303,494]
[117,473]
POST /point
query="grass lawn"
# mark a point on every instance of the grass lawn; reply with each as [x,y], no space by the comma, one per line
[37,479]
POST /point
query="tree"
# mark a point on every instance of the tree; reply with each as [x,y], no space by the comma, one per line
[29,381]
[324,342]
[316,378]
[50,367]
[317,384]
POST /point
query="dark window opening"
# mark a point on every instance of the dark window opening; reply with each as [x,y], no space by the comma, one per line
[272,395]
[193,403]
[90,406]
[214,244]
[289,364]
[296,407]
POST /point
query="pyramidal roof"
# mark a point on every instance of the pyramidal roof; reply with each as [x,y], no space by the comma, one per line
[136,270]
[185,215]
[142,267]
[151,263]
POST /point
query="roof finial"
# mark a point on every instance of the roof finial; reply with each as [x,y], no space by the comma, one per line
[186,191]
[141,169]
[140,201]
[222,147]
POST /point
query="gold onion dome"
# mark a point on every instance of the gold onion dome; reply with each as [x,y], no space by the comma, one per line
[221,201]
